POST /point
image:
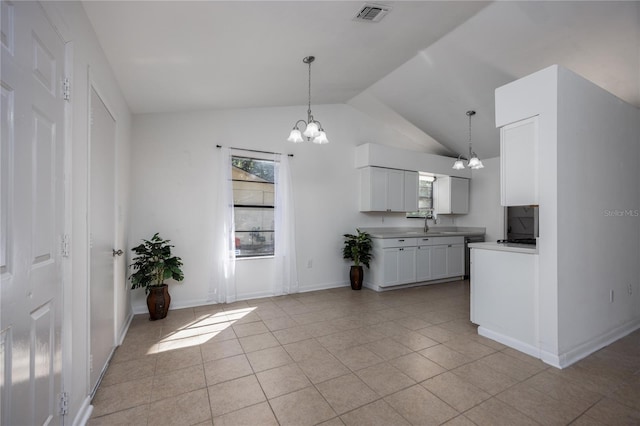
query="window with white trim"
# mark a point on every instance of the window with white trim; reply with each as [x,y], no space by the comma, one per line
[425,198]
[253,206]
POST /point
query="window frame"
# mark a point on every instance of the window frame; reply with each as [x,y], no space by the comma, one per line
[428,212]
[261,207]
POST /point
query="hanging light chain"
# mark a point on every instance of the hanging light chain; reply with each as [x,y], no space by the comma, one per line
[308,60]
[470,114]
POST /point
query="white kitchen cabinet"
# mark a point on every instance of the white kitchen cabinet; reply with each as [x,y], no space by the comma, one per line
[504,298]
[390,257]
[411,183]
[388,190]
[407,265]
[398,261]
[455,260]
[423,263]
[438,262]
[446,260]
[451,195]
[519,163]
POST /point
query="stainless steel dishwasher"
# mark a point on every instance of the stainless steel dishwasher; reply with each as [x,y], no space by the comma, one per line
[467,252]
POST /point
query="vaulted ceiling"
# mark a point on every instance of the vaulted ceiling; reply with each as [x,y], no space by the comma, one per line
[419,69]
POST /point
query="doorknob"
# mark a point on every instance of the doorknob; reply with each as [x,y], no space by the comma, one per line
[117,252]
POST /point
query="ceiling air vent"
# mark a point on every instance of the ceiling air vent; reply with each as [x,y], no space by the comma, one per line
[372,13]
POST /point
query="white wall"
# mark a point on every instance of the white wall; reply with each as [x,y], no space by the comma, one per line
[174,189]
[598,208]
[533,95]
[589,145]
[484,201]
[73,24]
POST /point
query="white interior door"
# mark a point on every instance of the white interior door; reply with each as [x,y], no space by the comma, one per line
[32,215]
[102,236]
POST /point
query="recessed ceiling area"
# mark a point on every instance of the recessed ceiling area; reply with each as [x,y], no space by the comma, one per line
[418,69]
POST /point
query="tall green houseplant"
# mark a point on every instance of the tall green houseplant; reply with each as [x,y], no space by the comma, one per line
[358,249]
[152,264]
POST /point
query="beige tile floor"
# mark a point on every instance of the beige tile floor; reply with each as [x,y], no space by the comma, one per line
[341,357]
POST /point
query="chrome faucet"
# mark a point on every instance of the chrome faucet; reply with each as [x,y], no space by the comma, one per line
[426,225]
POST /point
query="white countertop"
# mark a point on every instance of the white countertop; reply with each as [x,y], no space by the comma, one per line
[510,247]
[434,231]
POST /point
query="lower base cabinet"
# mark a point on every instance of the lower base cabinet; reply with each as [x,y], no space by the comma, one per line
[423,263]
[439,262]
[399,265]
[411,260]
[455,260]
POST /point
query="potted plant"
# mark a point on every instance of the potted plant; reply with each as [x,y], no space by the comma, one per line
[357,248]
[153,263]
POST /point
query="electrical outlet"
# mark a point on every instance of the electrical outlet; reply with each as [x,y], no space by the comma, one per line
[610,296]
[310,263]
[630,289]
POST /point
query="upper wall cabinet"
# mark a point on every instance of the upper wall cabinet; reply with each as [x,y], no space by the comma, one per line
[451,195]
[519,163]
[388,190]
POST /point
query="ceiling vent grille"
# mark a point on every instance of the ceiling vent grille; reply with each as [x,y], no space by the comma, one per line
[372,13]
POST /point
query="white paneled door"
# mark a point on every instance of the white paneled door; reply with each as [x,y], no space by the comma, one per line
[32,216]
[102,235]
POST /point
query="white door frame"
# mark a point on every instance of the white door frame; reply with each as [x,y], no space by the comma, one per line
[93,85]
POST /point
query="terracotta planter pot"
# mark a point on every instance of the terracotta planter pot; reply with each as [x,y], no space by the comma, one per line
[158,302]
[356,274]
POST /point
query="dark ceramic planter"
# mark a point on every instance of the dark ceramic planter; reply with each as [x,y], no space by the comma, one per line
[158,302]
[356,274]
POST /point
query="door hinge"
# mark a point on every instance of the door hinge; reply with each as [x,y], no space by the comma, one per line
[65,245]
[63,403]
[66,89]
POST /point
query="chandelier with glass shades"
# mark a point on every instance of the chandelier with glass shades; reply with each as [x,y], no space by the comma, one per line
[313,130]
[473,162]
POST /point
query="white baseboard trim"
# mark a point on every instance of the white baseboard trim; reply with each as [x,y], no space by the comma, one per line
[326,286]
[511,342]
[124,329]
[141,308]
[571,356]
[84,413]
[378,288]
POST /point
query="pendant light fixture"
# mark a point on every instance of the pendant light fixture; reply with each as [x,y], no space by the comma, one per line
[474,162]
[313,130]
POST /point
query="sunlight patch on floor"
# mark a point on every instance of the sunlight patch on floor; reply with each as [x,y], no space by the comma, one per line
[201,330]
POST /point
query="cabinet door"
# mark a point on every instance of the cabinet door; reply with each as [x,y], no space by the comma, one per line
[407,265]
[410,191]
[390,267]
[519,163]
[438,262]
[455,260]
[423,263]
[378,189]
[442,194]
[395,190]
[459,195]
[451,195]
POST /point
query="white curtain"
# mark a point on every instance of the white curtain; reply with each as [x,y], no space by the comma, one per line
[286,275]
[223,285]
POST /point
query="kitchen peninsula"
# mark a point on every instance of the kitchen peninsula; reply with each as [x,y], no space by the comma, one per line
[504,294]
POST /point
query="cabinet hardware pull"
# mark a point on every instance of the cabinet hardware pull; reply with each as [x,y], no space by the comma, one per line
[401,241]
[449,245]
